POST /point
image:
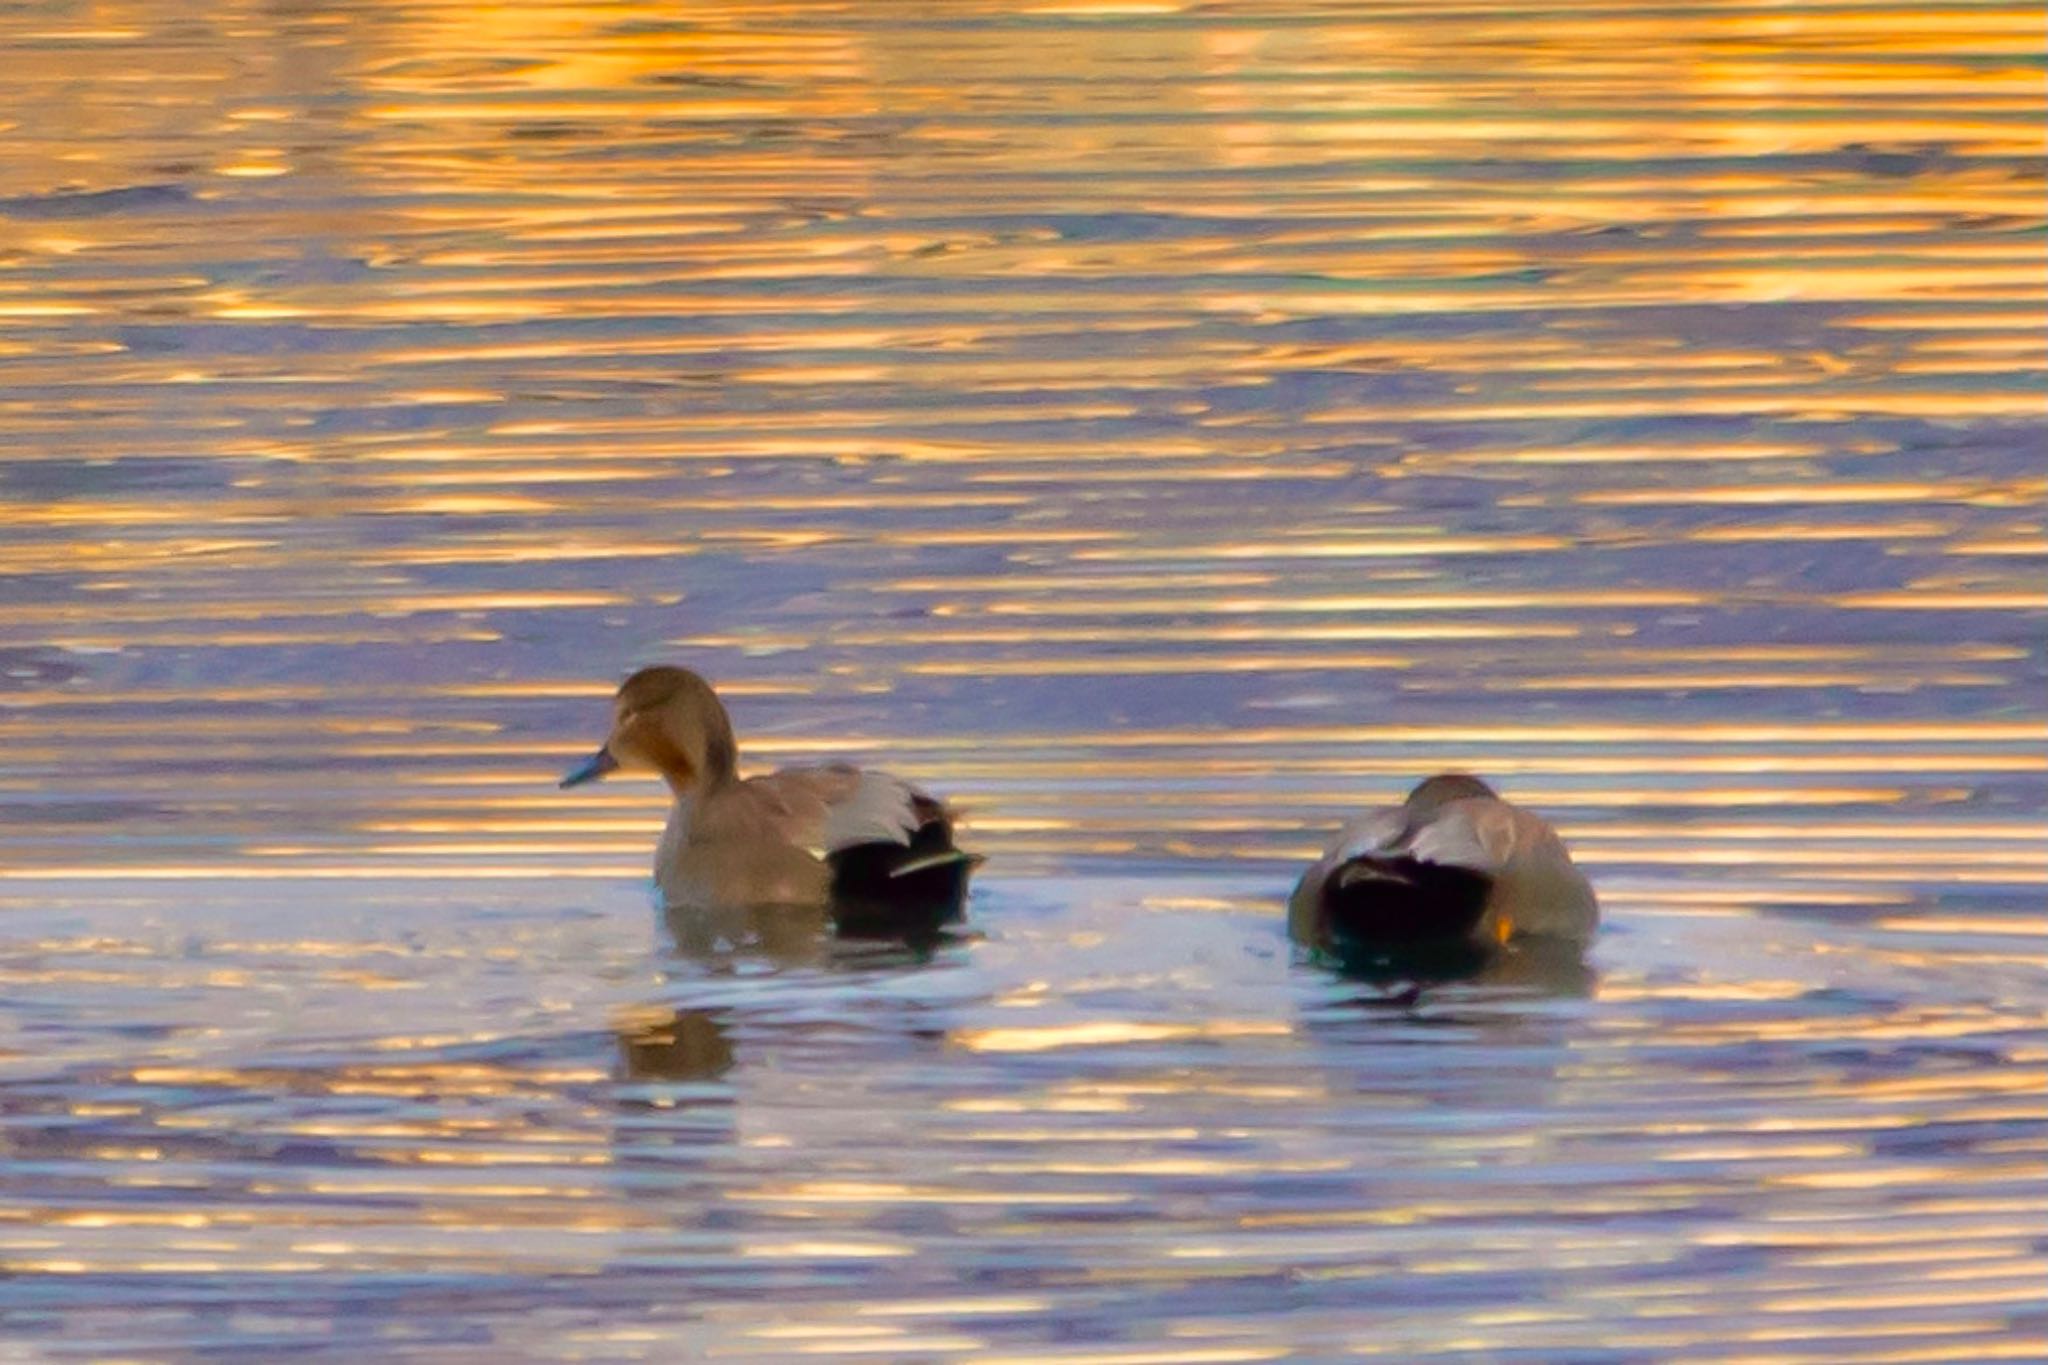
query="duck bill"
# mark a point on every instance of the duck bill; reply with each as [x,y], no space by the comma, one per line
[590,769]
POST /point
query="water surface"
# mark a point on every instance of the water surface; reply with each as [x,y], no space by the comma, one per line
[1162,427]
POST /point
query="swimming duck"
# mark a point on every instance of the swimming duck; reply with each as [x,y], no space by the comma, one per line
[1454,864]
[873,850]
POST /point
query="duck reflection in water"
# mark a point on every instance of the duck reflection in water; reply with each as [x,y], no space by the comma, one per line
[1453,884]
[675,1106]
[722,937]
[687,1045]
[787,853]
[1529,966]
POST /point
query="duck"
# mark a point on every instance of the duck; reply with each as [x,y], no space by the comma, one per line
[874,852]
[1454,867]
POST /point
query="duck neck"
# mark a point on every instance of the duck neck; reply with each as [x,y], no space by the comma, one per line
[711,765]
[692,786]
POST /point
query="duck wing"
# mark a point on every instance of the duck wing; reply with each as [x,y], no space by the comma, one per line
[820,810]
[889,846]
[1536,888]
[1375,833]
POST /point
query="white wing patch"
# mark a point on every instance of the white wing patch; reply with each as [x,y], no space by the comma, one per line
[875,809]
[1374,833]
[1479,834]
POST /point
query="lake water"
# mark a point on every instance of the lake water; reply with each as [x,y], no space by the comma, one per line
[1162,427]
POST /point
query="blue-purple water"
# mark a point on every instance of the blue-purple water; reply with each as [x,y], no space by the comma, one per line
[1164,428]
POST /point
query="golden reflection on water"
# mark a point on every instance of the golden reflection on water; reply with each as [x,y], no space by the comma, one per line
[1165,428]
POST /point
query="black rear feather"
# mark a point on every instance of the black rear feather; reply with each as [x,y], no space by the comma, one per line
[1401,902]
[908,891]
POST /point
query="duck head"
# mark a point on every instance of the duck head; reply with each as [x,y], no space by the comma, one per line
[665,720]
[1432,794]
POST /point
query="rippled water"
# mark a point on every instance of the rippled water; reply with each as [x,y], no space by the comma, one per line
[1163,427]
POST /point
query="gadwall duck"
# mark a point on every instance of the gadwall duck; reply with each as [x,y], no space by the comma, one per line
[1454,864]
[872,850]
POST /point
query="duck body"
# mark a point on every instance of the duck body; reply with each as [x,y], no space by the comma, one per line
[869,848]
[1453,866]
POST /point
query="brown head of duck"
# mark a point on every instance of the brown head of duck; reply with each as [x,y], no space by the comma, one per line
[666,720]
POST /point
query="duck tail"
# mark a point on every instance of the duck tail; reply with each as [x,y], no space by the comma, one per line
[887,890]
[916,861]
[1395,901]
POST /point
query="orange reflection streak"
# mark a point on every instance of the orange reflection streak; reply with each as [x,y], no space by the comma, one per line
[1110,1033]
[1373,389]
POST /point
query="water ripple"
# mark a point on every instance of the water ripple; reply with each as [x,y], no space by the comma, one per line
[1163,426]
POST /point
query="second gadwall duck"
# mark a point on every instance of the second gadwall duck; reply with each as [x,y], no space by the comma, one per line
[873,850]
[1454,864]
